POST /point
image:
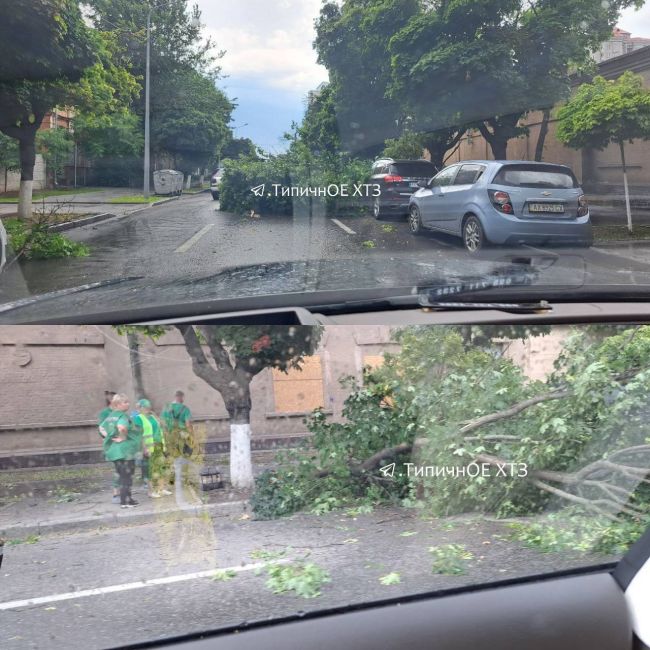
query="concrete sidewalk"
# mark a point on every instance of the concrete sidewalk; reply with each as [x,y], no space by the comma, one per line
[22,518]
[105,201]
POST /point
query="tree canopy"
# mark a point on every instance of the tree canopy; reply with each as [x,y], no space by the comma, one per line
[606,111]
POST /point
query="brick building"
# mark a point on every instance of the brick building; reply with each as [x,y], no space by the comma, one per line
[53,381]
[599,171]
[621,42]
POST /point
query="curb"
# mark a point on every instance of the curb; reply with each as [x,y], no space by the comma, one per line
[123,518]
[105,216]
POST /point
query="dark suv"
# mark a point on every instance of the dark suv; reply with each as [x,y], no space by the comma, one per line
[398,180]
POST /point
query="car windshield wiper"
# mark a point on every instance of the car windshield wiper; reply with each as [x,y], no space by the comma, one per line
[540,307]
[61,293]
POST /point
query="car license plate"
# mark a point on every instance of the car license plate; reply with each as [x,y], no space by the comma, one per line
[546,207]
[414,184]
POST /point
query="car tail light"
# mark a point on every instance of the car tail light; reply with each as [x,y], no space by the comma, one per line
[501,201]
[393,179]
[583,206]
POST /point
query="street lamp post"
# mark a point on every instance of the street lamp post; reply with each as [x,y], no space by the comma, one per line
[147,114]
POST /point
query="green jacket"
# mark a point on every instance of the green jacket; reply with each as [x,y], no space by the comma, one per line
[127,449]
[176,416]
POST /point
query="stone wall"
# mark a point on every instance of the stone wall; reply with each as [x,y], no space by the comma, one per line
[10,180]
[53,381]
[54,378]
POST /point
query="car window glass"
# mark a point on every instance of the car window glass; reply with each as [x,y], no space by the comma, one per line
[468,174]
[380,462]
[413,169]
[445,177]
[535,176]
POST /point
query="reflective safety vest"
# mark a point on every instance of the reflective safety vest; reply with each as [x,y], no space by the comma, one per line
[147,433]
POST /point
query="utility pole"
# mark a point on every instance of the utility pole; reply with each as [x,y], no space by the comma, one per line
[147,114]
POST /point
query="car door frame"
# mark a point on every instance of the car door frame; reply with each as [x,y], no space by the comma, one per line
[431,201]
[457,194]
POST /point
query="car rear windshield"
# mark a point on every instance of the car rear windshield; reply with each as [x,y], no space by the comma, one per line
[414,169]
[535,176]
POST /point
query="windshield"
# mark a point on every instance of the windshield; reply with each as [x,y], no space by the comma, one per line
[525,176]
[157,482]
[205,150]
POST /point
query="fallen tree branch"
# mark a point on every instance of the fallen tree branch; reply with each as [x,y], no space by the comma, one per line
[513,410]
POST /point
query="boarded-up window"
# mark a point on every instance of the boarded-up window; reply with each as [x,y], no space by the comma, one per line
[299,391]
[373,361]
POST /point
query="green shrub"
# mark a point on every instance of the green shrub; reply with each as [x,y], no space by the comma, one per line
[35,241]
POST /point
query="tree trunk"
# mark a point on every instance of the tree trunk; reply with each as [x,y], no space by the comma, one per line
[233,384]
[627,191]
[27,145]
[136,364]
[541,138]
[504,128]
[238,406]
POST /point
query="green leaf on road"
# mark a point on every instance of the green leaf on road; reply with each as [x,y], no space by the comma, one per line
[391,579]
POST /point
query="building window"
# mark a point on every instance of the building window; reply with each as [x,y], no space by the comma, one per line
[373,361]
[299,391]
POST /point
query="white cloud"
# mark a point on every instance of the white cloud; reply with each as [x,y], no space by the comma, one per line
[636,21]
[267,42]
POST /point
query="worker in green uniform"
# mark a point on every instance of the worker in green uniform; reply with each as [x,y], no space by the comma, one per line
[154,458]
[122,441]
[177,419]
[103,414]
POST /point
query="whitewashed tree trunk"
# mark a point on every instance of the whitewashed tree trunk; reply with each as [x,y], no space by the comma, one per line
[625,186]
[241,466]
[25,199]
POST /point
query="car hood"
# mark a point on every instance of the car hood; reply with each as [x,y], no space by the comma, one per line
[289,284]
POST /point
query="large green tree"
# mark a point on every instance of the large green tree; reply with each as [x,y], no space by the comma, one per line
[228,358]
[192,123]
[607,112]
[351,42]
[189,115]
[486,64]
[39,73]
[319,129]
[237,354]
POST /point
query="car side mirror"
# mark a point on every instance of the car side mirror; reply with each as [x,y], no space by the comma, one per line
[423,183]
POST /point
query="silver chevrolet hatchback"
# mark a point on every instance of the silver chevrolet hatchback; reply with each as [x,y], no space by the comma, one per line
[503,202]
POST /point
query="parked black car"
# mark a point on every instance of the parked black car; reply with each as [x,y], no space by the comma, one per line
[398,180]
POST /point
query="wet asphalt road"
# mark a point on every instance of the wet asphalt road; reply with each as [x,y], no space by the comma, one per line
[193,238]
[188,250]
[356,551]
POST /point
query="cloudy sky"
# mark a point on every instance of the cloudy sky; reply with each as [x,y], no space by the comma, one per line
[270,64]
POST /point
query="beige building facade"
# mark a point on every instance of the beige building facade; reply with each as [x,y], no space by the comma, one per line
[54,378]
[597,170]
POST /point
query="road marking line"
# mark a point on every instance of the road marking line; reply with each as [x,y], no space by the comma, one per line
[42,600]
[195,238]
[343,227]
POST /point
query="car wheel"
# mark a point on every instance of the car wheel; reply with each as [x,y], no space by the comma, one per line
[415,221]
[377,209]
[473,235]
